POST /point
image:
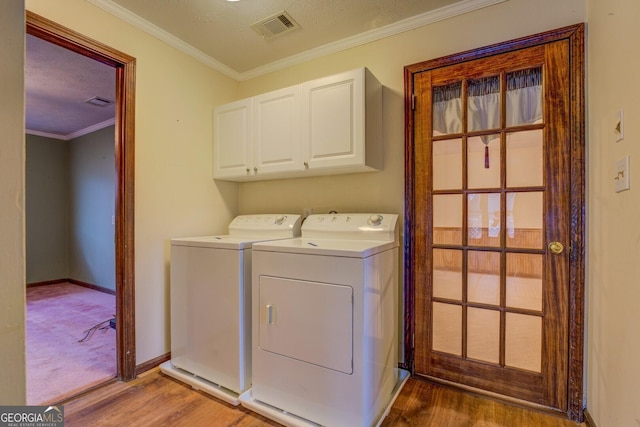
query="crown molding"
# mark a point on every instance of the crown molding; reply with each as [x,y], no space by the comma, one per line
[437,15]
[74,135]
[46,134]
[157,32]
[399,27]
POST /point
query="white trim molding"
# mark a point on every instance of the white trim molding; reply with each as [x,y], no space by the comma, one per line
[76,134]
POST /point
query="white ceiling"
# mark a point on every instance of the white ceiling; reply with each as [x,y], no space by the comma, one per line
[57,82]
[219,33]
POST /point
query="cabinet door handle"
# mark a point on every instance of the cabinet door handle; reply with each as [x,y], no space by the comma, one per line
[248,170]
[306,165]
[255,169]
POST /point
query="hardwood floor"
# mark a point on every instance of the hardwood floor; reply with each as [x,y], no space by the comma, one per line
[422,403]
[154,399]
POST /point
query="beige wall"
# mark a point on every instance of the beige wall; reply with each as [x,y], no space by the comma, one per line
[613,375]
[12,250]
[174,193]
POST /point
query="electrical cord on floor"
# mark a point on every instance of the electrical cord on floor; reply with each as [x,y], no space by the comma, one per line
[102,326]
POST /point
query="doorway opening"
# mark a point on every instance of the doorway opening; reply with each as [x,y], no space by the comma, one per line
[124,66]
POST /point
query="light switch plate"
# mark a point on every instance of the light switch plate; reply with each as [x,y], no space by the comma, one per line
[622,174]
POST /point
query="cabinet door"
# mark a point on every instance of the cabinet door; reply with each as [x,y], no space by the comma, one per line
[276,133]
[334,125]
[233,139]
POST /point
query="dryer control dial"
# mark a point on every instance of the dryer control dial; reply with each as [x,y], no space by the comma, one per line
[280,219]
[375,219]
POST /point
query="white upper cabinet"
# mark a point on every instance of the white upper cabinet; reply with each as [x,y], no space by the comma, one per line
[233,136]
[276,135]
[326,126]
[342,127]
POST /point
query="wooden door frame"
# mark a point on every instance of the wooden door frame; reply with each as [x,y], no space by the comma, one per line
[125,66]
[575,36]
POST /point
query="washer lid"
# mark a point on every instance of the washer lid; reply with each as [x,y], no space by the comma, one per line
[327,247]
[219,242]
[244,230]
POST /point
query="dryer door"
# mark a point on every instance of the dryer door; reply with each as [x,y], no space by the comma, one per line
[308,321]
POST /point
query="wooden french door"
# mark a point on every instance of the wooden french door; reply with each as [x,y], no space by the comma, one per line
[494,250]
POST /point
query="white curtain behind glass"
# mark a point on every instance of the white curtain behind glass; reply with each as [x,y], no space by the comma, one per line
[447,109]
[524,102]
[524,97]
[483,104]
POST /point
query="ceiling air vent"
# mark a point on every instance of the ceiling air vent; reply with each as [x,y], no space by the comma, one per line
[275,25]
[98,102]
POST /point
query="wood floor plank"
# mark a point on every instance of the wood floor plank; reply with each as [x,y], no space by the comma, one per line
[427,404]
[154,399]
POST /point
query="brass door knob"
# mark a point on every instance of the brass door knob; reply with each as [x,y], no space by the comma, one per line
[556,247]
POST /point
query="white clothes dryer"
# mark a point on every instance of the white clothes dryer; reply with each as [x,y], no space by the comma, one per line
[210,294]
[325,323]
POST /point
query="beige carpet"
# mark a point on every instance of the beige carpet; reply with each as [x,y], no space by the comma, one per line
[58,365]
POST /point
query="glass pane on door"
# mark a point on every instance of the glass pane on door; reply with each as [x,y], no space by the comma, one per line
[483,104]
[447,164]
[524,281]
[523,341]
[447,109]
[447,219]
[483,161]
[447,274]
[483,219]
[525,159]
[524,212]
[483,277]
[447,328]
[524,97]
[483,335]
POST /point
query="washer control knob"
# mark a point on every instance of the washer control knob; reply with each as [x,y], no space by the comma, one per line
[280,219]
[375,219]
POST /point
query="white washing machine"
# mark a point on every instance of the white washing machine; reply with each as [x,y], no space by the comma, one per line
[325,324]
[211,304]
